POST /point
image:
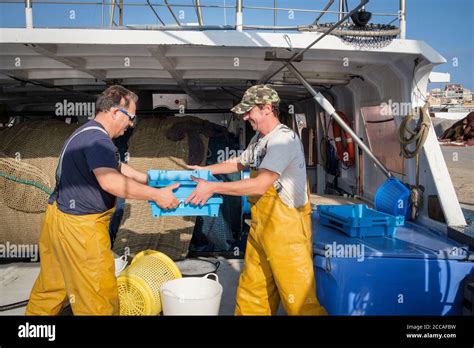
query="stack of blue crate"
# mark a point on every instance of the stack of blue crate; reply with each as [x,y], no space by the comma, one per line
[359,221]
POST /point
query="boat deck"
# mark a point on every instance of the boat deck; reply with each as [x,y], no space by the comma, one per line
[410,242]
[17,279]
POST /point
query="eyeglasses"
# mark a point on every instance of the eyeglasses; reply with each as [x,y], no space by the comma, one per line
[130,116]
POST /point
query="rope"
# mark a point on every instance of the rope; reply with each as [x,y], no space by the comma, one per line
[26,182]
[15,305]
[416,198]
[417,136]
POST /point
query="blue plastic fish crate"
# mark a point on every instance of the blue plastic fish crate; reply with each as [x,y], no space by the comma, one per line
[359,221]
[162,178]
[393,198]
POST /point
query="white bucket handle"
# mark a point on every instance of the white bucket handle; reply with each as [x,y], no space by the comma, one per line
[212,274]
[168,292]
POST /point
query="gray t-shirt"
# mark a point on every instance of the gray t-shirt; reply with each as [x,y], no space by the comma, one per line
[281,152]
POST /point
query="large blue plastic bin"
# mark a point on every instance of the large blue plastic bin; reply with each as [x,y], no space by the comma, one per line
[416,272]
[358,220]
[393,198]
[162,178]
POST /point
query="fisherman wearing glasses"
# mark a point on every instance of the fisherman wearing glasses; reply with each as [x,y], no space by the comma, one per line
[77,264]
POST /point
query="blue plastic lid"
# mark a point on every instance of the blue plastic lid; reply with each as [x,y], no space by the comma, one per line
[410,241]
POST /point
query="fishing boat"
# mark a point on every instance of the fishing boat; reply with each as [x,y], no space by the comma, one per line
[342,62]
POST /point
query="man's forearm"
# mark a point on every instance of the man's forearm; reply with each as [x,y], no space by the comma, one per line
[230,166]
[134,174]
[246,187]
[122,186]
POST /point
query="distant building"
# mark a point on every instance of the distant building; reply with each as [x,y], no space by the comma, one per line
[467,95]
[453,93]
[435,96]
[437,93]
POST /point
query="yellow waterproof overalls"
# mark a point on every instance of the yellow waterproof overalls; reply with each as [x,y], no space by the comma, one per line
[278,261]
[77,264]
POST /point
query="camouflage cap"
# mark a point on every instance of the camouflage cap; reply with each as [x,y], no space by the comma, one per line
[256,95]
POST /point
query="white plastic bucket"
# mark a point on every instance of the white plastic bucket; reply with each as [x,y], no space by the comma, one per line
[192,296]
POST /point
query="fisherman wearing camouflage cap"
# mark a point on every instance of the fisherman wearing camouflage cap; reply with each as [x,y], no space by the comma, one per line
[256,95]
[278,262]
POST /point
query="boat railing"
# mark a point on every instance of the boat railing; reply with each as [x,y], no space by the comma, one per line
[190,15]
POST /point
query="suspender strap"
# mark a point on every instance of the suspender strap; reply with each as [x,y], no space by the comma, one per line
[60,164]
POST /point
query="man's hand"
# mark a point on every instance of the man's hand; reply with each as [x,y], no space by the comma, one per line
[165,197]
[204,190]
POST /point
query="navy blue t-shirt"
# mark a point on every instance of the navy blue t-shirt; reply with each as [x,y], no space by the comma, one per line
[79,192]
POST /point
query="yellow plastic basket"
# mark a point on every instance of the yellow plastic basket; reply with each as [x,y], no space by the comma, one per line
[139,284]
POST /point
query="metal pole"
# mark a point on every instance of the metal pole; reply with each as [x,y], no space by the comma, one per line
[361,171]
[156,14]
[274,13]
[111,13]
[225,13]
[328,5]
[326,105]
[340,9]
[28,14]
[172,12]
[239,16]
[403,22]
[198,6]
[102,14]
[121,13]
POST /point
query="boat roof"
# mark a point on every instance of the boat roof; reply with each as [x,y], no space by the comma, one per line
[189,60]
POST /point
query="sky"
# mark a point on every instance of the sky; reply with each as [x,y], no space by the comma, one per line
[446,25]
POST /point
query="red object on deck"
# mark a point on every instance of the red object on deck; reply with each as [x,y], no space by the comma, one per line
[345,150]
